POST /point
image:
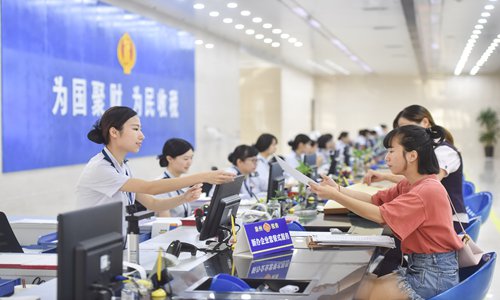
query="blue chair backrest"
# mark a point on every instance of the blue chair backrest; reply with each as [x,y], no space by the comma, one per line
[479,204]
[295,226]
[474,281]
[473,227]
[468,188]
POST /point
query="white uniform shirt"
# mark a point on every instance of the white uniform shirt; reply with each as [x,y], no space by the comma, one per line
[101,181]
[178,211]
[262,178]
[293,159]
[249,186]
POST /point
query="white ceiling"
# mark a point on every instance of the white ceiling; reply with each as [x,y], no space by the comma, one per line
[351,37]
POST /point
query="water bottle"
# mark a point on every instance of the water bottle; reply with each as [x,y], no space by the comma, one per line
[274,209]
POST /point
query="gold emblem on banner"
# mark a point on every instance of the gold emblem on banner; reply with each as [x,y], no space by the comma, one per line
[126,53]
[266,227]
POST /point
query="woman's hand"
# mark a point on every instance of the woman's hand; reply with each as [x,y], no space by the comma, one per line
[324,191]
[373,176]
[219,176]
[192,194]
[328,181]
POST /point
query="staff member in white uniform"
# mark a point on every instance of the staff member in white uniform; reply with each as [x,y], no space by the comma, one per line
[300,146]
[107,177]
[266,145]
[176,158]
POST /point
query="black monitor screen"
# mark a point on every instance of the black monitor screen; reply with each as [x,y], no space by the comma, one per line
[310,160]
[89,250]
[224,203]
[276,183]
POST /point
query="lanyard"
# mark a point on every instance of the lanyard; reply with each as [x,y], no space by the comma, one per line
[167,176]
[108,159]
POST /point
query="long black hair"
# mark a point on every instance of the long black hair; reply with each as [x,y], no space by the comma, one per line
[115,117]
[422,140]
[242,152]
[264,141]
[324,139]
[416,113]
[173,148]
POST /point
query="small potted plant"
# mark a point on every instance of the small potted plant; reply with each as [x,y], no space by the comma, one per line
[488,119]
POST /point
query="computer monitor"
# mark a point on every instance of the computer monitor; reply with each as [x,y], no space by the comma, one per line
[276,182]
[224,203]
[310,160]
[89,250]
[8,240]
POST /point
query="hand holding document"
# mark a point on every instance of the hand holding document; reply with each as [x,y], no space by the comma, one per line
[293,172]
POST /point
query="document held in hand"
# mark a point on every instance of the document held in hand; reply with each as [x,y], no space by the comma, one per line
[293,172]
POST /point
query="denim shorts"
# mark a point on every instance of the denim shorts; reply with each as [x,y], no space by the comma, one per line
[428,275]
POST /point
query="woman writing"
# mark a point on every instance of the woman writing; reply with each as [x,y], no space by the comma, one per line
[107,177]
[416,210]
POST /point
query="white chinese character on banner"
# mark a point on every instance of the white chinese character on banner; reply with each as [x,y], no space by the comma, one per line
[173,107]
[266,239]
[137,97]
[115,94]
[149,102]
[98,97]
[61,96]
[161,103]
[287,236]
[79,97]
[254,243]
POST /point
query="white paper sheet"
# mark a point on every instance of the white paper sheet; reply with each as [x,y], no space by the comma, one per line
[293,172]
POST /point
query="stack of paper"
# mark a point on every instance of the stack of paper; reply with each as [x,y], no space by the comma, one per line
[352,240]
[333,208]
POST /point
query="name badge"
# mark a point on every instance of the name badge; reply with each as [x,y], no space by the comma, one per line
[263,238]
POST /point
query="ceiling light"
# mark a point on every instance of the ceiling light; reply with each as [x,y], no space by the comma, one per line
[485,14]
[198,42]
[214,14]
[275,44]
[298,44]
[257,20]
[482,21]
[245,13]
[301,12]
[292,40]
[474,36]
[268,40]
[277,31]
[259,36]
[232,5]
[249,31]
[284,36]
[239,26]
[489,7]
[479,26]
[199,6]
[227,20]
[267,25]
[477,31]
[314,23]
[209,46]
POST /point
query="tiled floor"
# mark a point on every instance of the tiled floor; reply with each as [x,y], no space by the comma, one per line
[484,173]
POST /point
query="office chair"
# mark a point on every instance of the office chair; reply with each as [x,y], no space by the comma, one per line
[479,204]
[474,282]
[468,188]
[473,227]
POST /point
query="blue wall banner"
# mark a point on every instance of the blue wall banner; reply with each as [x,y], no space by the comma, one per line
[65,62]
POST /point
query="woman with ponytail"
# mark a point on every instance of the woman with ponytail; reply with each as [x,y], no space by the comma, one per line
[107,176]
[416,210]
[449,159]
[300,146]
[244,162]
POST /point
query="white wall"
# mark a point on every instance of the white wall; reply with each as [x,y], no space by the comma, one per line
[297,93]
[353,103]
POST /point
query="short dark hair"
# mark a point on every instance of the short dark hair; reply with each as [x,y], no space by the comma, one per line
[113,117]
[342,135]
[264,141]
[173,148]
[300,138]
[324,139]
[242,152]
[422,140]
